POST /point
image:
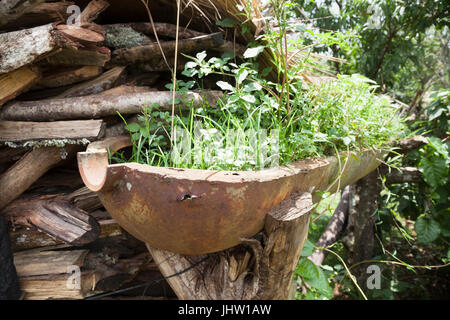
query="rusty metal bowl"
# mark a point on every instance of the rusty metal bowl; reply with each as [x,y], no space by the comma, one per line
[191,211]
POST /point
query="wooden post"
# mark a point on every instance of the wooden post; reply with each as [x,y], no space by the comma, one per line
[259,268]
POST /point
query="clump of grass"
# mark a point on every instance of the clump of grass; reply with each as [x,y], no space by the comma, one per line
[252,128]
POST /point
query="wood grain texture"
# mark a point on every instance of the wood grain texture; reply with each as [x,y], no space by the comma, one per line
[16,82]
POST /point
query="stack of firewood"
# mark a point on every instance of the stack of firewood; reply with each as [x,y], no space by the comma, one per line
[61,86]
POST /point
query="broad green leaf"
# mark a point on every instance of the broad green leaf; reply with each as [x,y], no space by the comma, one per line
[249,98]
[253,52]
[201,56]
[308,248]
[434,170]
[226,23]
[307,269]
[224,85]
[242,75]
[252,86]
[133,127]
[427,230]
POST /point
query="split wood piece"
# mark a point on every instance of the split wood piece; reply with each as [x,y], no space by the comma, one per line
[26,238]
[40,14]
[145,53]
[101,83]
[20,48]
[54,287]
[28,169]
[16,82]
[19,131]
[96,106]
[55,216]
[23,238]
[81,34]
[43,261]
[93,10]
[256,269]
[11,10]
[67,77]
[86,56]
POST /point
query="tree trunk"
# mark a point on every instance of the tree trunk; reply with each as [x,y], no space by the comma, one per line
[334,228]
[359,238]
[259,268]
[96,106]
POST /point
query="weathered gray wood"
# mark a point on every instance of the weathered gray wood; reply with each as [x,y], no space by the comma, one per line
[16,131]
[96,106]
[22,47]
[55,216]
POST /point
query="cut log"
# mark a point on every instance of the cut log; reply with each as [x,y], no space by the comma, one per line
[16,82]
[94,86]
[54,287]
[67,77]
[256,269]
[145,53]
[28,169]
[80,34]
[25,239]
[55,216]
[96,106]
[43,261]
[18,131]
[87,56]
[39,14]
[92,10]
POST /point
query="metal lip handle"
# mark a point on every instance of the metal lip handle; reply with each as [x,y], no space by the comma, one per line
[93,163]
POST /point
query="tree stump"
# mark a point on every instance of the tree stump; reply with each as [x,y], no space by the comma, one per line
[260,268]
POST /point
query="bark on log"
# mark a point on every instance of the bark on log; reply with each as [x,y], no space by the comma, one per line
[145,53]
[40,14]
[334,228]
[27,170]
[11,154]
[18,131]
[13,9]
[16,82]
[94,86]
[413,143]
[96,106]
[20,48]
[67,77]
[54,216]
[256,269]
[92,10]
[359,233]
[86,56]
